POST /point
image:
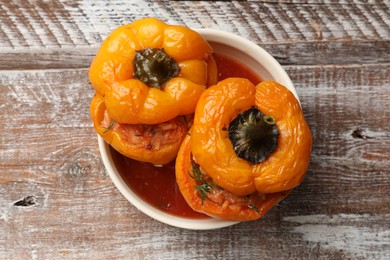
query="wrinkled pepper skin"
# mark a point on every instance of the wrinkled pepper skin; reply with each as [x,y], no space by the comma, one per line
[266,182]
[129,100]
[186,183]
[219,105]
[287,166]
[119,136]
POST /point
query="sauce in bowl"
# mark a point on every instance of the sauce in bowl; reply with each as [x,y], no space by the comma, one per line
[157,185]
[228,68]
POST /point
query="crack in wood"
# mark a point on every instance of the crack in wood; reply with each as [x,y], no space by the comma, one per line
[361,134]
[26,202]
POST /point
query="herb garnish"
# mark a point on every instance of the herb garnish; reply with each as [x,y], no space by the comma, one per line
[203,190]
[109,127]
[204,186]
[253,206]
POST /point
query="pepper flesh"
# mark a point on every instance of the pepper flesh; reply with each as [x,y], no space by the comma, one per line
[211,145]
[131,101]
[219,105]
[287,166]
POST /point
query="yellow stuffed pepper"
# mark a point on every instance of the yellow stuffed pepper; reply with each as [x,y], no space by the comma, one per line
[148,77]
[248,147]
[149,73]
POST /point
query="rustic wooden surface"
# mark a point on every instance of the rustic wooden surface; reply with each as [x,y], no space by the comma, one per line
[57,202]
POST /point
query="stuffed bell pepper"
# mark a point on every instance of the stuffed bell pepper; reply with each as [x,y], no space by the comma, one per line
[249,146]
[148,77]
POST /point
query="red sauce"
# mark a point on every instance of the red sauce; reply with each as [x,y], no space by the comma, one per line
[157,185]
[227,67]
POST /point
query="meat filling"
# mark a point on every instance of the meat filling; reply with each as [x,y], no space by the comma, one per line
[210,191]
[151,137]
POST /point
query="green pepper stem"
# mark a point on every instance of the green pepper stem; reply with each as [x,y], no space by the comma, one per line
[154,67]
[263,129]
[254,136]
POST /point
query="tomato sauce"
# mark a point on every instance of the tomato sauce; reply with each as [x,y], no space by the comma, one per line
[157,185]
[227,68]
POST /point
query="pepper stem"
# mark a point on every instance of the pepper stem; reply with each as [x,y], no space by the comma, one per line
[270,120]
[260,130]
[254,136]
[154,67]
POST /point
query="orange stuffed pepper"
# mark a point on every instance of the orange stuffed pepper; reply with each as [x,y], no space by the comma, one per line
[148,77]
[249,146]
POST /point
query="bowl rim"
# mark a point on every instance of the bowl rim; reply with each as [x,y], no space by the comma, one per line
[217,36]
[240,43]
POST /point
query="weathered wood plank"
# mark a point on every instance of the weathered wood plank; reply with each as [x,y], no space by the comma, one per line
[56,200]
[45,99]
[40,34]
[302,53]
[54,58]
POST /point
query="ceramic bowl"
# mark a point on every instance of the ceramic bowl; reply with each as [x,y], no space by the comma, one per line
[238,48]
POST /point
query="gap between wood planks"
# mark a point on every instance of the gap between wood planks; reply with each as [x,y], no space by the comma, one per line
[286,53]
[285,66]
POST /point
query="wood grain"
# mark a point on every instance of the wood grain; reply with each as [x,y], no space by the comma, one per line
[76,209]
[39,34]
[57,202]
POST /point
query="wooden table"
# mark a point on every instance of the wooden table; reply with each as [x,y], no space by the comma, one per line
[57,201]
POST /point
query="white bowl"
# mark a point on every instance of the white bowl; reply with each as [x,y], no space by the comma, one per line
[239,49]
